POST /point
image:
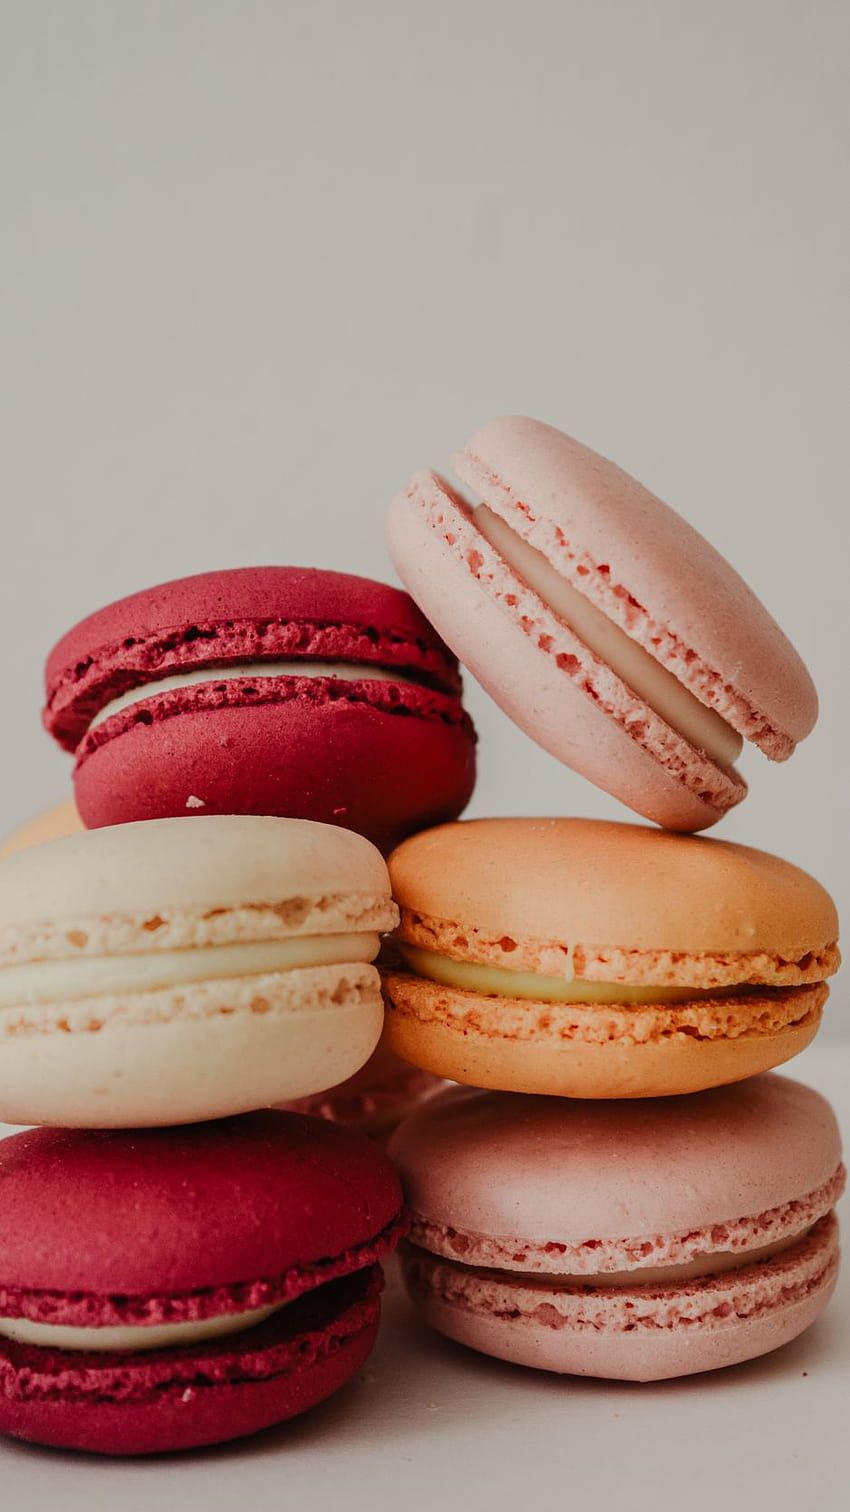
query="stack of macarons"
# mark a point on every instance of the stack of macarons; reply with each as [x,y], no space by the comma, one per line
[172,1273]
[260,929]
[266,691]
[609,1203]
[189,942]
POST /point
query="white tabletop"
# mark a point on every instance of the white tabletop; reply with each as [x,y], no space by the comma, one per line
[429,1424]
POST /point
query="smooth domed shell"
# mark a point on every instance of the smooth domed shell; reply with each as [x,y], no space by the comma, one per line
[167,1211]
[219,861]
[544,1170]
[582,882]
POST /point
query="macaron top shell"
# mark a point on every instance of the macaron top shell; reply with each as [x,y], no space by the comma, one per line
[582,882]
[237,616]
[170,1211]
[151,868]
[649,571]
[550,1171]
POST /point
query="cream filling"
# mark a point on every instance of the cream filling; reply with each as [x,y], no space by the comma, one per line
[344,671]
[125,1338]
[496,981]
[659,1275]
[660,689]
[58,981]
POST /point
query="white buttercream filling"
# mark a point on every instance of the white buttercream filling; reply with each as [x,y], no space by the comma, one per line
[123,1338]
[659,688]
[344,671]
[660,1275]
[69,980]
[498,981]
[717,1264]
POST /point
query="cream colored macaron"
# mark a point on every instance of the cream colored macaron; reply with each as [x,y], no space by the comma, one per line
[585,959]
[181,969]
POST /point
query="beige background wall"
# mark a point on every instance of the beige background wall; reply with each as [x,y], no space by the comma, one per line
[261,260]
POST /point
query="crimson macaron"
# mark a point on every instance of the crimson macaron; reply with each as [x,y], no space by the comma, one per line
[267,690]
[165,1289]
[607,627]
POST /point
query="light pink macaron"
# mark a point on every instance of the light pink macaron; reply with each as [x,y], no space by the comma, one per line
[376,1098]
[631,1240]
[603,624]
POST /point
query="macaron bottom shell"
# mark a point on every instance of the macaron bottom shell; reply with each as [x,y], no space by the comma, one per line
[432,1028]
[184,1399]
[642,1334]
[383,769]
[204,1052]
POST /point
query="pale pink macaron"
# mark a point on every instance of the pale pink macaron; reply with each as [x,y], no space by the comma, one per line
[603,624]
[631,1240]
[376,1098]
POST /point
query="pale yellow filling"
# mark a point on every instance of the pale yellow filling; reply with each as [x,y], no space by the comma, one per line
[659,688]
[57,981]
[345,671]
[662,1275]
[128,1337]
[496,981]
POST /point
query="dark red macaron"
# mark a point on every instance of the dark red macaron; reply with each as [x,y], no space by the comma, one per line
[203,1226]
[377,740]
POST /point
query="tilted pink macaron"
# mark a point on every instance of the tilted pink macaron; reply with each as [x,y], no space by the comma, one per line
[633,1240]
[601,621]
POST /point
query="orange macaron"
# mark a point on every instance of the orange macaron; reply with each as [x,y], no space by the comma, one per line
[52,824]
[587,959]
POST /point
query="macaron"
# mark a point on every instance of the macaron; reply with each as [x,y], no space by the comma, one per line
[631,1240]
[585,959]
[164,1289]
[375,1099]
[266,690]
[169,971]
[52,824]
[603,624]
